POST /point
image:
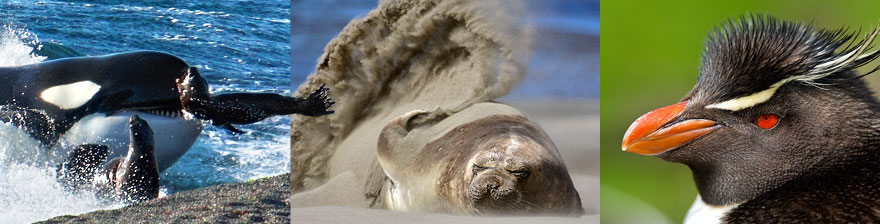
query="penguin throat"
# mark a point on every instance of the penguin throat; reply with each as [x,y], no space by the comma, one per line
[718,188]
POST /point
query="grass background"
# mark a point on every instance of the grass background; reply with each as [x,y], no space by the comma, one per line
[649,59]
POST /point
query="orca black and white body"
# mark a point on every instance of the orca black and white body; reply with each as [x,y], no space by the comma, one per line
[88,100]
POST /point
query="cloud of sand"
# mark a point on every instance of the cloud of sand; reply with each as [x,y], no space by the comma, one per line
[406,55]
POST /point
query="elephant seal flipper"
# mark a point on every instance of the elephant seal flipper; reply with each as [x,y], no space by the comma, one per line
[374,184]
[395,133]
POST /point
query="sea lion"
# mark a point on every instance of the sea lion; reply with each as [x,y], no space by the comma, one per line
[133,177]
[485,160]
[88,100]
[244,108]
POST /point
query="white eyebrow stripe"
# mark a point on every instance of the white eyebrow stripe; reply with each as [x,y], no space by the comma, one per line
[744,102]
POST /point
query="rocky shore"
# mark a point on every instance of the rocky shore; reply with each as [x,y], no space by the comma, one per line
[258,201]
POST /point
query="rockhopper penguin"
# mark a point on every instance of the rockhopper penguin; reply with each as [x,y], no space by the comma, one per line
[779,128]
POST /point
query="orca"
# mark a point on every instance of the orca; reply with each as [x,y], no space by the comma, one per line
[89,100]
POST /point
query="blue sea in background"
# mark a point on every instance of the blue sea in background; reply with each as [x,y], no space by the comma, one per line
[238,46]
[565,50]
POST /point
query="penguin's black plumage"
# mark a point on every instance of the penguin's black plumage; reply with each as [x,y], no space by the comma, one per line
[778,128]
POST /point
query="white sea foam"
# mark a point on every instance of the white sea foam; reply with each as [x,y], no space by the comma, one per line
[13,49]
[29,191]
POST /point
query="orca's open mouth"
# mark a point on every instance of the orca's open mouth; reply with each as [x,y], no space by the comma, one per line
[162,112]
[167,111]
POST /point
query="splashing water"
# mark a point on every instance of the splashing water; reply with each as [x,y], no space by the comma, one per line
[14,51]
[28,189]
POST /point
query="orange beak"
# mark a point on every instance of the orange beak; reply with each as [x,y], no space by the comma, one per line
[645,136]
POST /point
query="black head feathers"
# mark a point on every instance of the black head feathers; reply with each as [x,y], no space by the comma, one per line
[757,52]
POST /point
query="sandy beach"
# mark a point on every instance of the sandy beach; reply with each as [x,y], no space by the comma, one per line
[574,127]
[406,56]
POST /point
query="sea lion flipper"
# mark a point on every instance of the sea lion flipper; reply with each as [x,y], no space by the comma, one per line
[80,166]
[37,123]
[245,108]
[318,103]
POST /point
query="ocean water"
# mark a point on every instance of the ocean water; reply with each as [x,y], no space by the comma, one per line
[237,45]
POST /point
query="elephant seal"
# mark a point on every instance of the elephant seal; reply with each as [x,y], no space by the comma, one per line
[485,160]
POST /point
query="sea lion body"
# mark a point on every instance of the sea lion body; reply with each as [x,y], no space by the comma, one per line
[136,176]
[133,177]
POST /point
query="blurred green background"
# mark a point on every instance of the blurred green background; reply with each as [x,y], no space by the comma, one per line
[650,53]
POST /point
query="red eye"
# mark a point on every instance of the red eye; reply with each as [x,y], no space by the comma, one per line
[767,121]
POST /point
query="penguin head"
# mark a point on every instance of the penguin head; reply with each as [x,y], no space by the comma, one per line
[774,100]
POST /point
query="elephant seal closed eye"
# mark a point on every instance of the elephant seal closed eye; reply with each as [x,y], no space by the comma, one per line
[485,160]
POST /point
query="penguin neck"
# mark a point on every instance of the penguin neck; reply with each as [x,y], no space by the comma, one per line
[718,191]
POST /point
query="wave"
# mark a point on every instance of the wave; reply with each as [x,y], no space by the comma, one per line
[54,51]
[21,47]
[16,46]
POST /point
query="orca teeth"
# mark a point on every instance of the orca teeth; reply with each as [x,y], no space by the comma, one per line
[163,113]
